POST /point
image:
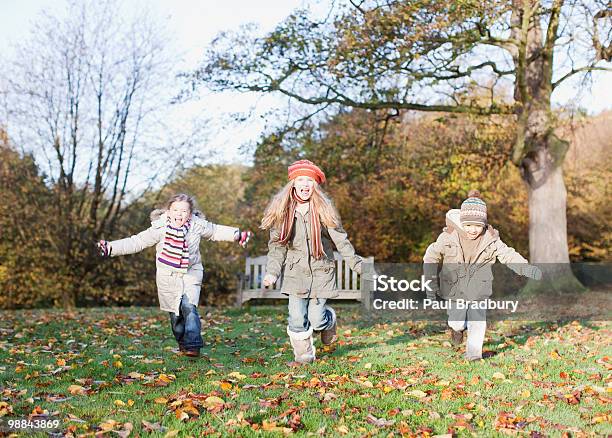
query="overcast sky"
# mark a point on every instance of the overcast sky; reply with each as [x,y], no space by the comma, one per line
[193,24]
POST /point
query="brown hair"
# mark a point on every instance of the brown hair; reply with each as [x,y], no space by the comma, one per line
[182,197]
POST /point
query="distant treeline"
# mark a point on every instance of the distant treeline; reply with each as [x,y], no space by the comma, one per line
[392,181]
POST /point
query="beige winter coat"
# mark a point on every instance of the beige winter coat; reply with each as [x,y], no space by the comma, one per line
[304,276]
[460,280]
[171,285]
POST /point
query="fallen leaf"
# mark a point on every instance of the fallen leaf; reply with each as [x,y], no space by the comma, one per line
[77,390]
[213,402]
[152,427]
[109,425]
[237,375]
[342,429]
[181,415]
[555,355]
[5,409]
[379,422]
[126,430]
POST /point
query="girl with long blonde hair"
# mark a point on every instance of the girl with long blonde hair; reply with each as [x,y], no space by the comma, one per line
[304,230]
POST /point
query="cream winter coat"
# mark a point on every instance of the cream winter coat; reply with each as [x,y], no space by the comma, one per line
[469,281]
[172,285]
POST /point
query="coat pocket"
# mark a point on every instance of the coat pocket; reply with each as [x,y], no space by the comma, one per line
[481,284]
[163,282]
[450,252]
[292,266]
[324,265]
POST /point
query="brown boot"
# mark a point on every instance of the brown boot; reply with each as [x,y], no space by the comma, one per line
[456,336]
[329,336]
[303,346]
[191,353]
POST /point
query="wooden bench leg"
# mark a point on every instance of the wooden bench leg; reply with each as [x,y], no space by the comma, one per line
[367,285]
[239,291]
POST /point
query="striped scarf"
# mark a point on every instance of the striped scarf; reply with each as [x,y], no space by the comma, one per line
[175,252]
[316,247]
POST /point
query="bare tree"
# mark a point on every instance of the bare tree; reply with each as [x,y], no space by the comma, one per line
[86,94]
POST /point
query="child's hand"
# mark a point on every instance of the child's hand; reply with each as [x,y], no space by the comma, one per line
[104,248]
[269,280]
[242,237]
[534,272]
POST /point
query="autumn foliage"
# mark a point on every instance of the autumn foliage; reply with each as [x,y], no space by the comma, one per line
[391,179]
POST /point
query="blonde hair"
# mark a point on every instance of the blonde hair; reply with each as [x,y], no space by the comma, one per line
[277,208]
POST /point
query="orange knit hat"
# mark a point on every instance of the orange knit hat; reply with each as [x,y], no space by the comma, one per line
[306,168]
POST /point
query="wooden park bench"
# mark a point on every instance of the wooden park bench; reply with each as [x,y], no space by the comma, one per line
[348,282]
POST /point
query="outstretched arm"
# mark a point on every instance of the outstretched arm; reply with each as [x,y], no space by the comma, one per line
[223,233]
[218,233]
[515,261]
[345,248]
[135,243]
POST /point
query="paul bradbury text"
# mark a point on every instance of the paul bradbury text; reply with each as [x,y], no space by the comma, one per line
[459,304]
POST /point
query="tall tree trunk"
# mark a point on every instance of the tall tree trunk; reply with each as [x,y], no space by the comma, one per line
[548,222]
[547,219]
[538,151]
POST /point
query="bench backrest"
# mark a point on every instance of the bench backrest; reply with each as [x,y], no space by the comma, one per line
[255,271]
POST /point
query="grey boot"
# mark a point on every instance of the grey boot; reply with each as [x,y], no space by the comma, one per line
[303,346]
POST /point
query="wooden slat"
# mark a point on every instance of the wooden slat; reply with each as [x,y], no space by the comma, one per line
[339,263]
[347,276]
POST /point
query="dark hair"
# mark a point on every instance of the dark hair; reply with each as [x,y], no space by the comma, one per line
[182,197]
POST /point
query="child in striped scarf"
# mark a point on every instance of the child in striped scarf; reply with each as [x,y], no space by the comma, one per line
[304,230]
[176,233]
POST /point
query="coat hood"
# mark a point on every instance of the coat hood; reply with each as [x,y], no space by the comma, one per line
[453,223]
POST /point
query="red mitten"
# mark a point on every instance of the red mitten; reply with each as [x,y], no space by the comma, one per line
[242,237]
[104,248]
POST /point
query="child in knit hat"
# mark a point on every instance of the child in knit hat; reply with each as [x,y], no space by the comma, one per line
[467,248]
[304,229]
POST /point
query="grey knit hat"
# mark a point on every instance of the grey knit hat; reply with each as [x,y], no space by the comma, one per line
[473,210]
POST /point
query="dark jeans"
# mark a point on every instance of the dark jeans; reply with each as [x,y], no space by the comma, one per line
[186,326]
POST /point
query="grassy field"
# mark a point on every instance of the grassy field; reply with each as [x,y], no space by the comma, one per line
[116,372]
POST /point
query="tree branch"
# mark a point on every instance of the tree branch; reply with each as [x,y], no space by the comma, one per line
[571,73]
